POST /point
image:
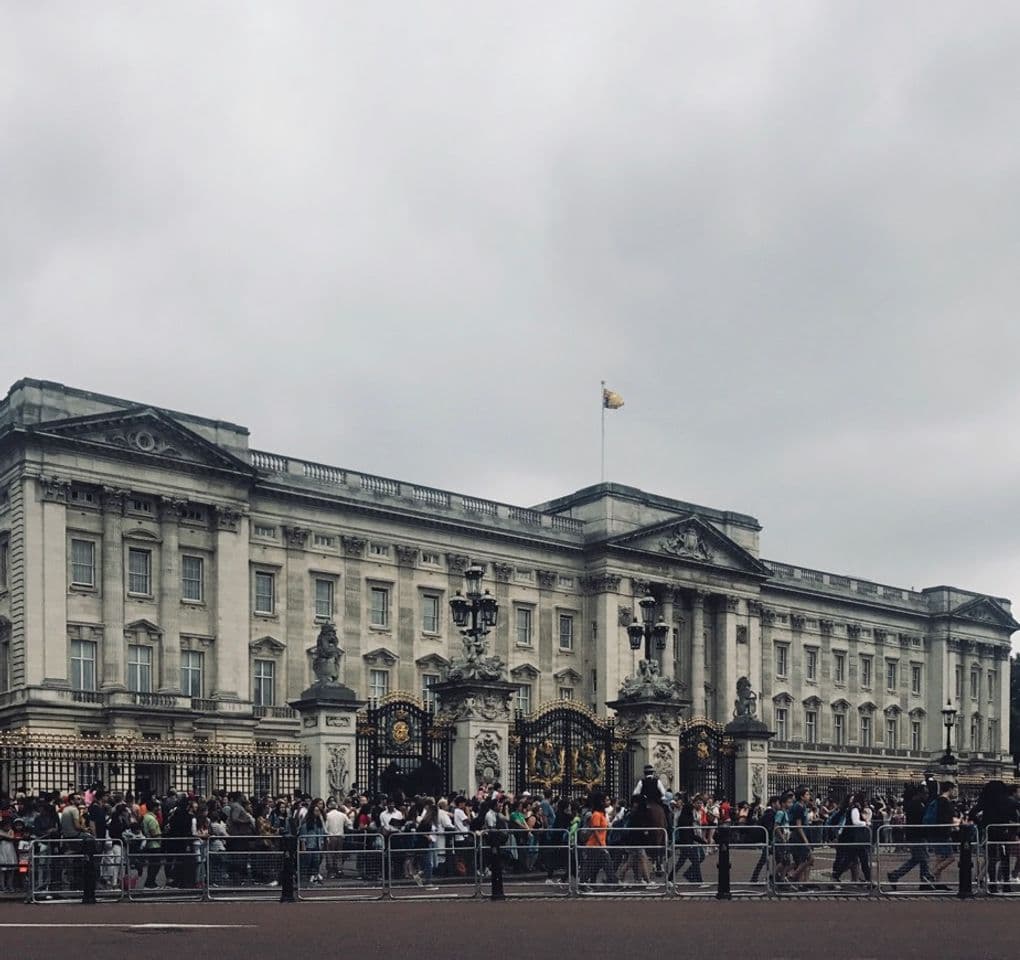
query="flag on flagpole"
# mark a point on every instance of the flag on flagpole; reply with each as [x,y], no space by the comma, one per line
[611,400]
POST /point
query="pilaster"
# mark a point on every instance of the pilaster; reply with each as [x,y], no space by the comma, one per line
[353,585]
[298,613]
[112,656]
[233,605]
[698,652]
[169,596]
[726,654]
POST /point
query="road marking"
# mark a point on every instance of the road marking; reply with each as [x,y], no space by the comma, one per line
[136,926]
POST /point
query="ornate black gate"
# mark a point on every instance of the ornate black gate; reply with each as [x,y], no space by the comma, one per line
[707,760]
[402,747]
[566,748]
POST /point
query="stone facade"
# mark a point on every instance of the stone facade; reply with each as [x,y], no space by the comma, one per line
[158,574]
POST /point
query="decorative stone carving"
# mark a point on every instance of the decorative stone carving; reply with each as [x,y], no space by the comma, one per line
[730,603]
[664,761]
[825,626]
[310,720]
[625,615]
[648,684]
[546,579]
[337,772]
[853,630]
[686,543]
[797,621]
[458,562]
[171,509]
[144,440]
[296,537]
[746,704]
[354,547]
[53,490]
[641,588]
[741,633]
[228,518]
[341,720]
[881,635]
[474,703]
[757,781]
[768,616]
[328,656]
[406,556]
[503,572]
[603,583]
[488,768]
[630,722]
[754,607]
[113,500]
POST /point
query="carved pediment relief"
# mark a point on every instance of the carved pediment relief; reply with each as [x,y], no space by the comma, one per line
[380,656]
[691,540]
[524,672]
[432,661]
[267,645]
[568,675]
[143,431]
[142,628]
[985,610]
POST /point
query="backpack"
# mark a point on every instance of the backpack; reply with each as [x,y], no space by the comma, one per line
[834,822]
[931,813]
[584,832]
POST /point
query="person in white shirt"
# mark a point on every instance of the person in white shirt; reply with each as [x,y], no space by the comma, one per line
[337,824]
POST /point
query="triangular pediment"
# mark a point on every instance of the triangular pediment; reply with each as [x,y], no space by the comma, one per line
[691,540]
[143,626]
[267,645]
[380,655]
[524,671]
[985,610]
[569,675]
[144,431]
[432,661]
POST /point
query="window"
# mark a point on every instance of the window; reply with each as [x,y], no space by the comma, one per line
[892,730]
[263,531]
[80,495]
[811,664]
[191,673]
[193,514]
[83,563]
[915,735]
[782,659]
[524,697]
[265,592]
[975,735]
[5,552]
[378,683]
[321,540]
[993,735]
[139,666]
[379,611]
[429,680]
[890,674]
[83,665]
[811,726]
[566,693]
[380,550]
[430,559]
[323,598]
[264,692]
[566,582]
[523,626]
[839,668]
[140,571]
[915,679]
[975,684]
[430,613]
[140,505]
[866,672]
[866,732]
[527,576]
[566,632]
[191,579]
[959,682]
[781,728]
[839,729]
[993,678]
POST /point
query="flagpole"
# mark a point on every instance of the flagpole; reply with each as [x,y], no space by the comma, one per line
[602,404]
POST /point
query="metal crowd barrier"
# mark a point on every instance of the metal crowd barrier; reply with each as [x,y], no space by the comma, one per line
[1002,860]
[429,864]
[602,859]
[351,867]
[58,870]
[750,859]
[823,860]
[245,868]
[907,857]
[691,852]
[540,865]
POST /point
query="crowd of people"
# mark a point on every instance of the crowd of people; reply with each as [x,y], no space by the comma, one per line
[359,838]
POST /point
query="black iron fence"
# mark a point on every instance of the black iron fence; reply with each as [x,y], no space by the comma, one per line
[36,763]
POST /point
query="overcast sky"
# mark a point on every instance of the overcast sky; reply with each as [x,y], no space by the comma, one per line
[411,238]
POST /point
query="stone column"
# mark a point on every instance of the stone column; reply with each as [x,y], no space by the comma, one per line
[113,678]
[480,713]
[406,627]
[329,736]
[169,596]
[298,613]
[698,653]
[667,657]
[354,553]
[46,582]
[547,640]
[726,657]
[233,605]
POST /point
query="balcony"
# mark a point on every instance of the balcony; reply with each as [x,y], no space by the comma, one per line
[274,713]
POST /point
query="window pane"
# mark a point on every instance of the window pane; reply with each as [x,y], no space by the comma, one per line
[191,578]
[264,692]
[915,735]
[191,673]
[839,673]
[378,683]
[524,626]
[264,593]
[140,668]
[83,665]
[524,698]
[780,723]
[83,563]
[838,729]
[811,665]
[566,693]
[380,612]
[865,671]
[139,569]
[566,632]
[890,675]
[810,726]
[430,613]
[891,731]
[324,599]
[427,681]
[865,731]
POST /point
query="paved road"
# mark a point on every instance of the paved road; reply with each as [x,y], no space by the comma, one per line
[836,930]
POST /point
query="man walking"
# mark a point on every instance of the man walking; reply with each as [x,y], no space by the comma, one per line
[915,801]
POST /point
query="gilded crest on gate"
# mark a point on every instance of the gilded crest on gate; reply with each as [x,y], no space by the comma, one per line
[703,751]
[589,766]
[400,728]
[545,764]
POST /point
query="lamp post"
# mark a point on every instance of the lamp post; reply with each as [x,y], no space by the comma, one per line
[948,721]
[474,614]
[648,629]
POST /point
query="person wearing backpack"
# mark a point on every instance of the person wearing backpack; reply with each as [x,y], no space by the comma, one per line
[941,816]
[915,803]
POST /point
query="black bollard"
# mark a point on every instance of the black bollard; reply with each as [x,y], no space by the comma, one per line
[966,864]
[496,868]
[88,880]
[723,891]
[287,872]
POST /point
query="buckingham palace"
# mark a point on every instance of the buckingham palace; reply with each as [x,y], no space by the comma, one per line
[160,578]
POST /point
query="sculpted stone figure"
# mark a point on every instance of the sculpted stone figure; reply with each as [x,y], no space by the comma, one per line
[328,655]
[475,664]
[746,704]
[649,684]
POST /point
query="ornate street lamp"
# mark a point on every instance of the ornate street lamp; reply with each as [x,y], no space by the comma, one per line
[648,630]
[475,614]
[948,721]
